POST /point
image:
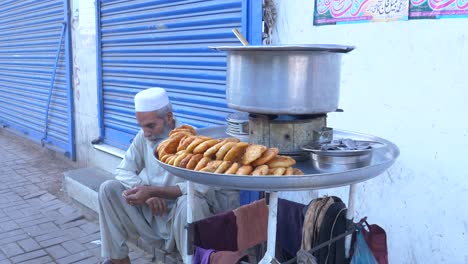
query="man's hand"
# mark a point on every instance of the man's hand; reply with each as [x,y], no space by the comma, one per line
[137,195]
[157,205]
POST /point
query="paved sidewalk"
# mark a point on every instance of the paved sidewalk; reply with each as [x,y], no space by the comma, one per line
[37,223]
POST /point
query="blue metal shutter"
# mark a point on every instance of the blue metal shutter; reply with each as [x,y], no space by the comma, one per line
[35,85]
[164,43]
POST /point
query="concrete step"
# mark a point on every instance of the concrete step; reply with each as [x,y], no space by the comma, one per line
[83,185]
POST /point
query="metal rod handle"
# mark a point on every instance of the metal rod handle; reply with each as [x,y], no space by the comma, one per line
[240,37]
[52,80]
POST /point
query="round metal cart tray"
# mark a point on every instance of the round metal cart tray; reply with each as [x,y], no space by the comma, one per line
[305,47]
[382,159]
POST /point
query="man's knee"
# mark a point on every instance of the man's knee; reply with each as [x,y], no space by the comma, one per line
[200,207]
[110,187]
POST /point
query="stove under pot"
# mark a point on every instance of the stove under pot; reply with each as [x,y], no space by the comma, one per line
[288,133]
[238,125]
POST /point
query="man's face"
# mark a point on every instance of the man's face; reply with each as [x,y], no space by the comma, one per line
[154,127]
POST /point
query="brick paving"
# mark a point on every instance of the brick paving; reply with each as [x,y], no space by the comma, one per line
[37,223]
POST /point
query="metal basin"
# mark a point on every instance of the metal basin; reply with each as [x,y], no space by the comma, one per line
[336,163]
[341,160]
[284,79]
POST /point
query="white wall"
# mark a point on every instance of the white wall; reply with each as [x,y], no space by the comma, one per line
[85,88]
[406,82]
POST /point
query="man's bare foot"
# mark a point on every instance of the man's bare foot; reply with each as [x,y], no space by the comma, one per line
[117,261]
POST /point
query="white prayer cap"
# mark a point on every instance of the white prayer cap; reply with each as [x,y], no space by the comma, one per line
[151,99]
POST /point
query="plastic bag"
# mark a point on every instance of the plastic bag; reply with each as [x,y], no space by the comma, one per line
[376,239]
[362,253]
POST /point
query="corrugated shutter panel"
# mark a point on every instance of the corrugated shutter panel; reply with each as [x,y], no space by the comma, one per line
[164,44]
[30,32]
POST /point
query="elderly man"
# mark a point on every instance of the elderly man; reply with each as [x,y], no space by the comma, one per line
[145,200]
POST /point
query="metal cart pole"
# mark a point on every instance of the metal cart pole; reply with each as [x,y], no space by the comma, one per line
[350,216]
[190,198]
[272,218]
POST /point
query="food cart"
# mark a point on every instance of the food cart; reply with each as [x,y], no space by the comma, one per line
[286,93]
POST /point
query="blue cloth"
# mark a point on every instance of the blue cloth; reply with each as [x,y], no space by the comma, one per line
[289,227]
[202,256]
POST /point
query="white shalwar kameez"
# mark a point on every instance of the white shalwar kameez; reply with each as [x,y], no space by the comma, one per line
[120,221]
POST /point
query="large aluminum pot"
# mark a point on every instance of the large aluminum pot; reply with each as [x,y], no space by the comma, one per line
[284,79]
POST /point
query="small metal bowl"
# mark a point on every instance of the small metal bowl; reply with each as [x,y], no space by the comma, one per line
[340,160]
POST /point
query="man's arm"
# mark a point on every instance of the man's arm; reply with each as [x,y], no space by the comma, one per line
[168,192]
[141,194]
[132,163]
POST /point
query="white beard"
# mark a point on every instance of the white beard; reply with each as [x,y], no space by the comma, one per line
[164,134]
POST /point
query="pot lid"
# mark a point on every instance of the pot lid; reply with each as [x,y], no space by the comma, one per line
[306,47]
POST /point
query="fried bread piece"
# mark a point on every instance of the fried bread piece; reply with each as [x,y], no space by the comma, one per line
[161,145]
[244,170]
[180,156]
[173,142]
[252,153]
[277,171]
[281,161]
[212,150]
[165,157]
[205,145]
[162,153]
[185,142]
[224,149]
[187,127]
[236,152]
[183,163]
[289,171]
[194,161]
[212,166]
[232,139]
[179,133]
[202,163]
[171,159]
[233,169]
[266,157]
[196,142]
[179,130]
[223,166]
[297,172]
[260,170]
